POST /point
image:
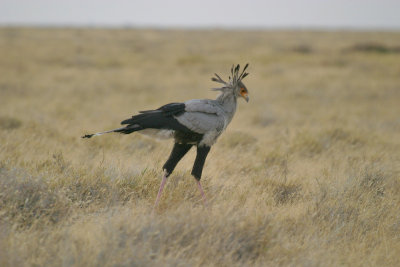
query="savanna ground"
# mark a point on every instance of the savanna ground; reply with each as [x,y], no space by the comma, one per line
[307,173]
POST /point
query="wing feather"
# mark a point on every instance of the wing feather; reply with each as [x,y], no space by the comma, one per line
[203,116]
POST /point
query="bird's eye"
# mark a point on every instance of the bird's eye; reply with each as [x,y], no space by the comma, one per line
[242,90]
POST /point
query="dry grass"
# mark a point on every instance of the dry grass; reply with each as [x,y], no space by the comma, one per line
[307,174]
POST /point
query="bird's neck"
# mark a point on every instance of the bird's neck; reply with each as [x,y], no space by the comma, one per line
[228,102]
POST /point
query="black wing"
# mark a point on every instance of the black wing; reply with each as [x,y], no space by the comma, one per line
[161,118]
[172,109]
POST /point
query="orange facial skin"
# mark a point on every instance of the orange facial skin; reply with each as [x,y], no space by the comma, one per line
[244,93]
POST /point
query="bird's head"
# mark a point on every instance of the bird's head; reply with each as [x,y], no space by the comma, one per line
[235,83]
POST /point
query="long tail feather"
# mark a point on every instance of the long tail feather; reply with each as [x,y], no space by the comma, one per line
[119,130]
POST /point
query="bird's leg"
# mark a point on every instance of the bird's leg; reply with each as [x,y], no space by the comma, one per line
[177,154]
[203,196]
[164,180]
[202,152]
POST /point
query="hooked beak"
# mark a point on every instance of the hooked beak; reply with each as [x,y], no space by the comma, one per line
[246,97]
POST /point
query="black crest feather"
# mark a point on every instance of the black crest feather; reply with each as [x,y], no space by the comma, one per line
[234,78]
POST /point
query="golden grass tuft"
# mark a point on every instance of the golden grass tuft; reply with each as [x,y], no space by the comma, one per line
[8,123]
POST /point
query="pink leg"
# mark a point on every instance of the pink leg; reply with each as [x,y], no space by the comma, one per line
[203,196]
[164,180]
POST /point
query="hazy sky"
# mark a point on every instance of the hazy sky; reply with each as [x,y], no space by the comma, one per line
[383,14]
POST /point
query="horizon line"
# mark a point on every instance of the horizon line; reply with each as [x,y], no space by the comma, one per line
[199,27]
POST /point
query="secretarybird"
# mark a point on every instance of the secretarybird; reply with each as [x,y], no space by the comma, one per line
[196,122]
